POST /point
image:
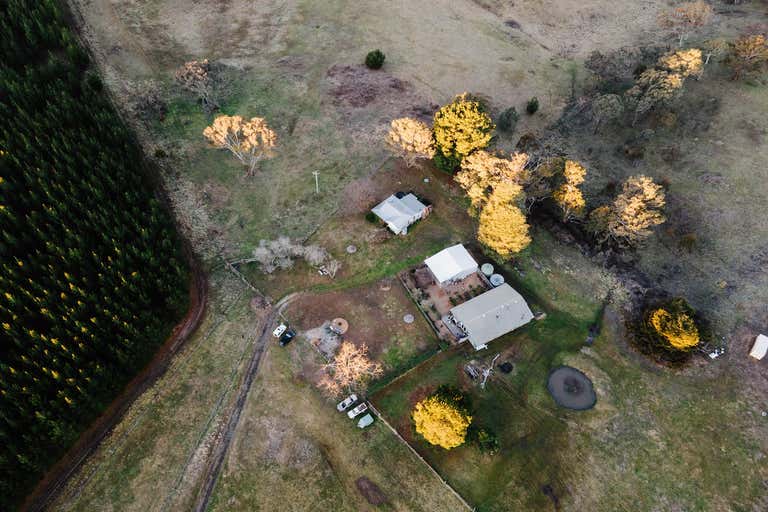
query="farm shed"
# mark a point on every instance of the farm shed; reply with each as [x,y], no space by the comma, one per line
[491,314]
[451,264]
[760,347]
[399,211]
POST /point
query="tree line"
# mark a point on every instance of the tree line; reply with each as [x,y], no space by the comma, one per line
[91,276]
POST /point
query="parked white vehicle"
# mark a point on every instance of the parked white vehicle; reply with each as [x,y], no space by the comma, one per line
[279,330]
[357,410]
[344,404]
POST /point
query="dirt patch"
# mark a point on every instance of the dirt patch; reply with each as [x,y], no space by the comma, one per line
[358,86]
[375,318]
[371,491]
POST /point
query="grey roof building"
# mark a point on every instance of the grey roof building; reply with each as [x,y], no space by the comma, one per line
[400,212]
[491,314]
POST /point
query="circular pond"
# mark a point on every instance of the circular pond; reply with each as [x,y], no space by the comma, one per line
[571,388]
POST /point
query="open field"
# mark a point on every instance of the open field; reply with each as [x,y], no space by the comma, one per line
[657,440]
[294,451]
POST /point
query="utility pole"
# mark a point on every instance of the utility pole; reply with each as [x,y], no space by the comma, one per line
[317,183]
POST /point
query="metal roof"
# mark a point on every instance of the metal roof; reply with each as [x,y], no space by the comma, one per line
[399,213]
[492,314]
[451,262]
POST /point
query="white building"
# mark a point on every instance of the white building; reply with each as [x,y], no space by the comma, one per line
[451,264]
[491,314]
[760,348]
[400,212]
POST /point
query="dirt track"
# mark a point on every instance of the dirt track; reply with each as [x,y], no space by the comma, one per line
[224,439]
[53,481]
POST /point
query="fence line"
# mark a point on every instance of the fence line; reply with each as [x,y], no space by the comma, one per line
[413,450]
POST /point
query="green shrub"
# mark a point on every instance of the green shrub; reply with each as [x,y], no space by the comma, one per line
[670,331]
[485,439]
[371,217]
[508,120]
[532,106]
[448,164]
[375,59]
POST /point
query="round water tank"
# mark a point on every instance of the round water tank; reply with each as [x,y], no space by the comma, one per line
[487,269]
[497,279]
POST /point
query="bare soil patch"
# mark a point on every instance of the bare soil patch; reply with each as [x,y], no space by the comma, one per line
[371,491]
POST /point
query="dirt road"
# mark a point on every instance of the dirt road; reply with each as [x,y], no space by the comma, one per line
[224,439]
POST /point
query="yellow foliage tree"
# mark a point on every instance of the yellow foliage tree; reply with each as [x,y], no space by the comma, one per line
[411,140]
[440,422]
[677,328]
[634,212]
[748,53]
[568,195]
[481,171]
[462,127]
[250,141]
[683,62]
[686,17]
[503,227]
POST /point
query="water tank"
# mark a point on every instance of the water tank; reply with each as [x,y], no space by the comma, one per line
[497,279]
[487,269]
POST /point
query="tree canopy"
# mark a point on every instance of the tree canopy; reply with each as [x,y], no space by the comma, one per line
[462,127]
[482,171]
[503,227]
[635,211]
[250,141]
[411,140]
[441,422]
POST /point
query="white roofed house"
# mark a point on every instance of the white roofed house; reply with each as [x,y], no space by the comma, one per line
[491,314]
[451,264]
[399,211]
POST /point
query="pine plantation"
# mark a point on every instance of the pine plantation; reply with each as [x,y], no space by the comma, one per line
[91,276]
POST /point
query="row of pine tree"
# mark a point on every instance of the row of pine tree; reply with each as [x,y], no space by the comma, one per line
[91,271]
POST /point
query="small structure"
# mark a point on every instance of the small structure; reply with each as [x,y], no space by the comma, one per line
[497,280]
[399,211]
[451,264]
[339,326]
[365,421]
[491,314]
[486,269]
[760,347]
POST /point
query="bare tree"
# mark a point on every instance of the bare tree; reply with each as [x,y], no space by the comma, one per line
[250,141]
[198,77]
[686,18]
[351,368]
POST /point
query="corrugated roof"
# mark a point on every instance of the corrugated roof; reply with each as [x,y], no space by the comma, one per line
[492,314]
[397,212]
[451,262]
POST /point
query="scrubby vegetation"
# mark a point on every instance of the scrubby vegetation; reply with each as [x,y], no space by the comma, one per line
[92,274]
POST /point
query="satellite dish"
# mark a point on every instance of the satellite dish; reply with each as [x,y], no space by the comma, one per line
[486,269]
[497,279]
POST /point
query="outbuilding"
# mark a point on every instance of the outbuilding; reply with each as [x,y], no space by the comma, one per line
[491,314]
[760,347]
[399,211]
[451,264]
